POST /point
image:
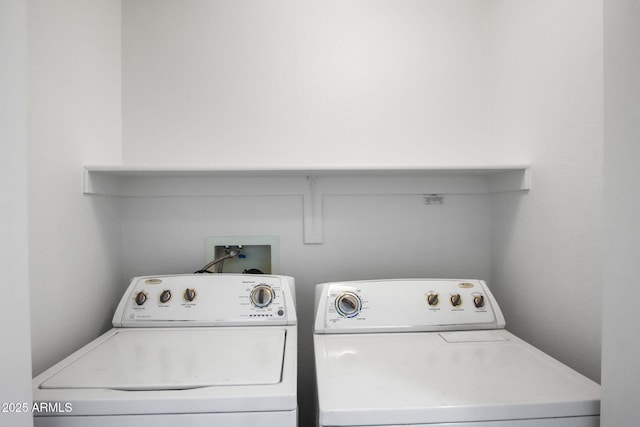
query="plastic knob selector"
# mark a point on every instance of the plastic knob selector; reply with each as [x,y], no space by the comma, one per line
[165,296]
[478,301]
[432,299]
[456,300]
[348,304]
[141,298]
[189,294]
[261,296]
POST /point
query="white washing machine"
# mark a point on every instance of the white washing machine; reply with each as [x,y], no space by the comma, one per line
[186,350]
[422,352]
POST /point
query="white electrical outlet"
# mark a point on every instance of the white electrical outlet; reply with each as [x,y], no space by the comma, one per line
[257,253]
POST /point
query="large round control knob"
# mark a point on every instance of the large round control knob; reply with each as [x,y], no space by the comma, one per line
[165,296]
[456,300]
[261,296]
[189,294]
[432,299]
[141,298]
[348,304]
[478,301]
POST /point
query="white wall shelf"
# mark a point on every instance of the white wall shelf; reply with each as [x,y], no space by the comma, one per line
[311,184]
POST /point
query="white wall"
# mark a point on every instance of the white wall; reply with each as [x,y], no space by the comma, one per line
[438,82]
[621,329]
[15,369]
[546,94]
[303,83]
[74,118]
[308,83]
[313,83]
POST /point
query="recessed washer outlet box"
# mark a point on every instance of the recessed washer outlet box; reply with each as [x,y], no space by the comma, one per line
[258,252]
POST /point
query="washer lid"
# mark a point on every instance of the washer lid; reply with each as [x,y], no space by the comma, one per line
[454,377]
[177,359]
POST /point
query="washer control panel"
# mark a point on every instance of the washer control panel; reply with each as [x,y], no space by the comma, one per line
[406,305]
[207,300]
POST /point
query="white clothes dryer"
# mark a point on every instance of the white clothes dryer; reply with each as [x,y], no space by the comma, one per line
[431,352]
[185,350]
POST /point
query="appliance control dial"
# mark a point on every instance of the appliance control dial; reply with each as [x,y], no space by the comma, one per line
[165,296]
[478,301]
[262,296]
[141,298]
[189,294]
[432,299]
[348,304]
[456,300]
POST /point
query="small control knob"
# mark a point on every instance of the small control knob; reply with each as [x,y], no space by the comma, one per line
[348,304]
[165,296]
[189,294]
[141,298]
[478,301]
[456,300]
[261,296]
[432,299]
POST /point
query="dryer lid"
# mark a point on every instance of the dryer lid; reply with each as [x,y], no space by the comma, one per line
[174,359]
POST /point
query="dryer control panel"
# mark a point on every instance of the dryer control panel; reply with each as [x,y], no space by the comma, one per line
[207,300]
[405,305]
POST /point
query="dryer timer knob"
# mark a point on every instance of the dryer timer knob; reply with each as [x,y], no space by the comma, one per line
[348,304]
